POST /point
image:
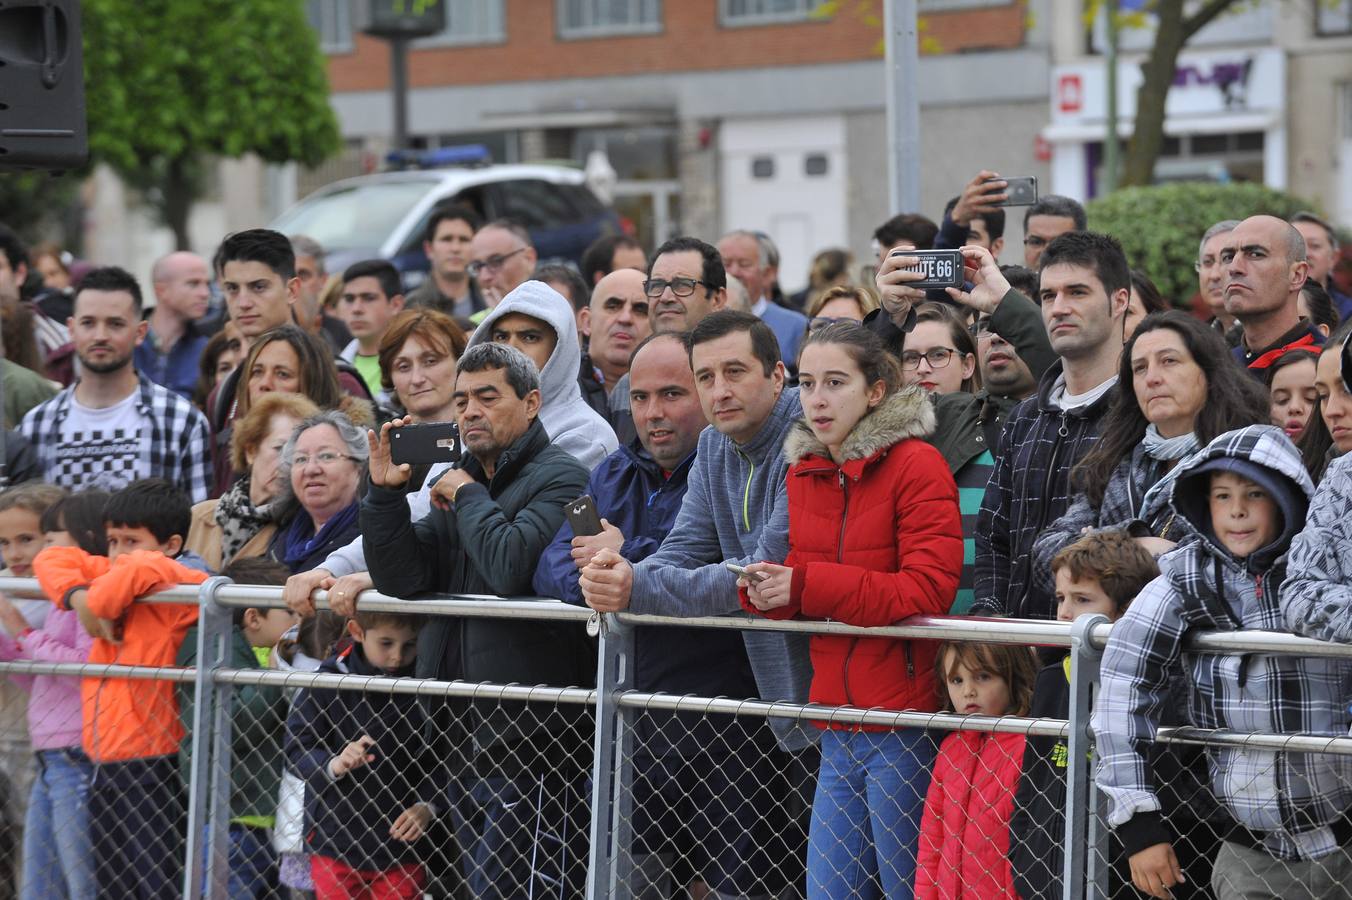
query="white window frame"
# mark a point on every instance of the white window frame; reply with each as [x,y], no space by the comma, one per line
[1324,12]
[486,9]
[805,13]
[335,12]
[596,29]
[934,6]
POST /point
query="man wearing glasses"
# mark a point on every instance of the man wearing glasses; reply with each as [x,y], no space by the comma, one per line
[686,281]
[501,257]
[1045,221]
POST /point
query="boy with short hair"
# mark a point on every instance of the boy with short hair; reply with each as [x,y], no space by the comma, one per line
[1102,572]
[131,728]
[370,771]
[258,716]
[1246,497]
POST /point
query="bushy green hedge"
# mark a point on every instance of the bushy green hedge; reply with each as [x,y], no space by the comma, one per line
[1160,227]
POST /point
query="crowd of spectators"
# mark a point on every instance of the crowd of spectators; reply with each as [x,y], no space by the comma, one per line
[1049,440]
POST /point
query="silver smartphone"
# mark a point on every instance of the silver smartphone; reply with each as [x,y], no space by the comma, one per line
[743,572]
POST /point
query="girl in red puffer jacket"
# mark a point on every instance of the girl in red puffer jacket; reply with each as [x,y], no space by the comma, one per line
[964,835]
[875,536]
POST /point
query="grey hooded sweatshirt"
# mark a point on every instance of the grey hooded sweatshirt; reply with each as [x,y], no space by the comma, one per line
[572,425]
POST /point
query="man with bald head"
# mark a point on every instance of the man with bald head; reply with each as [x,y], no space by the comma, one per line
[1265,266]
[169,354]
[615,322]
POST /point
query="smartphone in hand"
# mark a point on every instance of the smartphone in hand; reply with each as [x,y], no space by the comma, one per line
[582,515]
[744,572]
[425,443]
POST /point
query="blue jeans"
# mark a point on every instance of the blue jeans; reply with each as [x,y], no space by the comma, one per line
[58,858]
[866,813]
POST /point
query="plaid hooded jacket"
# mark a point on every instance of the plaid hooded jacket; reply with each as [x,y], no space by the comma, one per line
[1288,800]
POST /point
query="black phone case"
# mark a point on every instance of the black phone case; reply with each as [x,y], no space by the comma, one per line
[582,516]
[423,444]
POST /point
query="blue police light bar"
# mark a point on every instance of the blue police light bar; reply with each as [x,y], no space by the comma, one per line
[460,155]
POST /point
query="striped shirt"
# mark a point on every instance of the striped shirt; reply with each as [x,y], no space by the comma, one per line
[972,480]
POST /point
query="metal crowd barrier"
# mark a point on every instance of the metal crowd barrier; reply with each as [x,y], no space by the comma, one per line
[608,724]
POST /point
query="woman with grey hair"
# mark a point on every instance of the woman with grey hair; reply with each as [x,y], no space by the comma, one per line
[324,463]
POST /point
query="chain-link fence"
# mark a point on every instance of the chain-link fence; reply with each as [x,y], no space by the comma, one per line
[276,774]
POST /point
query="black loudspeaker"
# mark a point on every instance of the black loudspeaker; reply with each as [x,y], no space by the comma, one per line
[42,98]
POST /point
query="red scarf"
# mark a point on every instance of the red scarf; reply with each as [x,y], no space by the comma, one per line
[1270,357]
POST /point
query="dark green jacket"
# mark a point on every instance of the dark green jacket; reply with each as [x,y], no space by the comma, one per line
[958,432]
[489,543]
[258,717]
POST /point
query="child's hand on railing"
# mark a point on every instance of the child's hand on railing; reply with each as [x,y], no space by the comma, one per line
[412,823]
[10,617]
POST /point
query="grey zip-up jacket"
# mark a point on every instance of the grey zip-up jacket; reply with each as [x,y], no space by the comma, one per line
[735,510]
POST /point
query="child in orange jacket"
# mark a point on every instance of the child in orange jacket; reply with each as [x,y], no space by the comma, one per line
[131,728]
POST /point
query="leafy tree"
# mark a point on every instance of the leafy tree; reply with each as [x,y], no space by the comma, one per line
[1160,227]
[1176,26]
[170,83]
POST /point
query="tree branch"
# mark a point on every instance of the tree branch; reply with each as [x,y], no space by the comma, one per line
[1204,16]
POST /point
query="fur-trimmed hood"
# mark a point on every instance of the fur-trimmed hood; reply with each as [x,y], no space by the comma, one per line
[906,414]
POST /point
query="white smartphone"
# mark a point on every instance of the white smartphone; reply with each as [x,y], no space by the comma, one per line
[742,571]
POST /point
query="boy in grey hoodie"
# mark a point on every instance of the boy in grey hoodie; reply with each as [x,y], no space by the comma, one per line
[572,425]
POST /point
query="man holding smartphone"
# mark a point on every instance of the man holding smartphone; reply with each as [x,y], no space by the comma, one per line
[681,761]
[492,517]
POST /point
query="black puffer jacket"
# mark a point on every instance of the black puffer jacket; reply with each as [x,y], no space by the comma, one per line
[489,543]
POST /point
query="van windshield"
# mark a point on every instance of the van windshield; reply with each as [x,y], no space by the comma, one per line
[355,217]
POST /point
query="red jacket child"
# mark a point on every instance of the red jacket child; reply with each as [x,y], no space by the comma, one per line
[872,541]
[964,834]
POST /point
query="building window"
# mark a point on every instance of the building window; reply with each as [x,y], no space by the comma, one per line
[952,5]
[1333,18]
[332,20]
[765,12]
[602,18]
[470,22]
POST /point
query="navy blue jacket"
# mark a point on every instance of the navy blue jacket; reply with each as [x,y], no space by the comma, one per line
[633,494]
[349,818]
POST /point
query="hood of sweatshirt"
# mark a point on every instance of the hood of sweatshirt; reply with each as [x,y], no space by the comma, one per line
[572,425]
[1263,454]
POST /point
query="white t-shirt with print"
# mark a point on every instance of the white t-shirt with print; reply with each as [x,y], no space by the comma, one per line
[102,448]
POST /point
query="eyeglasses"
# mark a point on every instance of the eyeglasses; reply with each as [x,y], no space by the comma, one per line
[681,287]
[493,263]
[325,459]
[937,358]
[822,321]
[981,327]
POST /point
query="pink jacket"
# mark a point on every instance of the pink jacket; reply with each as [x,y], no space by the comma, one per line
[964,833]
[54,719]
